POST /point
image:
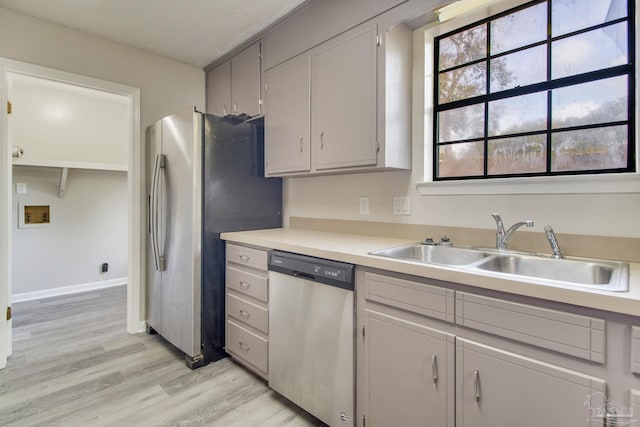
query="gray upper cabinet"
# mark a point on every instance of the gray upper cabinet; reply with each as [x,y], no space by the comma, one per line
[343,100]
[287,122]
[339,94]
[219,90]
[234,87]
[245,82]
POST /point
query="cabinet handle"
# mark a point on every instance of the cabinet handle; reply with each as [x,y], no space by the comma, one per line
[245,314]
[243,346]
[322,140]
[224,110]
[434,368]
[301,143]
[476,384]
[244,258]
[235,108]
[244,284]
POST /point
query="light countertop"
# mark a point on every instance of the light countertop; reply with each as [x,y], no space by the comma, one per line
[354,249]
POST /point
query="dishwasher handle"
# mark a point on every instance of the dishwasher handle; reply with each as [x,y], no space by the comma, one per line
[302,275]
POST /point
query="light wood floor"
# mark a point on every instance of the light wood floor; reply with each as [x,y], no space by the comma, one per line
[73,364]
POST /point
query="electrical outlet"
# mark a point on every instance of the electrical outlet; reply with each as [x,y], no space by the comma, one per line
[402,205]
[104,267]
[364,205]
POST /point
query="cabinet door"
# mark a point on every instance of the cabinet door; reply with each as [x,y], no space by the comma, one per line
[343,100]
[245,81]
[219,90]
[287,130]
[410,374]
[497,388]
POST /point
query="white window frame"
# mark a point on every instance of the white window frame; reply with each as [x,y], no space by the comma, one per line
[423,121]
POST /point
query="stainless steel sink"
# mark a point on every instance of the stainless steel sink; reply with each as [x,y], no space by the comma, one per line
[444,255]
[609,275]
[586,273]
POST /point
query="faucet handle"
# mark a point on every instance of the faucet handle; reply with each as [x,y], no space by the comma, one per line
[553,241]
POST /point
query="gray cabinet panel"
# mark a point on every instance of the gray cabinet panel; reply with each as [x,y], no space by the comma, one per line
[572,334]
[249,347]
[245,81]
[343,100]
[432,301]
[498,388]
[287,120]
[245,282]
[219,90]
[410,373]
[248,312]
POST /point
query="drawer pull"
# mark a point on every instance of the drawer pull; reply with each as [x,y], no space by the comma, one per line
[244,346]
[476,384]
[244,258]
[245,285]
[434,368]
[245,314]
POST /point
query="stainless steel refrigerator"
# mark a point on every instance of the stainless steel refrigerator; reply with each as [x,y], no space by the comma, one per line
[205,176]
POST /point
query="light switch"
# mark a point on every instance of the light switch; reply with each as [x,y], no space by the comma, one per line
[401,205]
[21,188]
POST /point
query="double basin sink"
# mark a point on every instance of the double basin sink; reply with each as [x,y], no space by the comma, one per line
[587,273]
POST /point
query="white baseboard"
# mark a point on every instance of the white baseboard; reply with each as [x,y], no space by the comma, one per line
[65,290]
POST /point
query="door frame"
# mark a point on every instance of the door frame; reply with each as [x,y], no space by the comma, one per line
[135,272]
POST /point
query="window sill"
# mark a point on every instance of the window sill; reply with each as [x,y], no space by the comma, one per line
[583,184]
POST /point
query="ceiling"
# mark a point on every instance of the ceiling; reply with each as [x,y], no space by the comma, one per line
[196,32]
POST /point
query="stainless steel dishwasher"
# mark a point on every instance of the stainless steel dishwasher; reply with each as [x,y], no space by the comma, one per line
[311,335]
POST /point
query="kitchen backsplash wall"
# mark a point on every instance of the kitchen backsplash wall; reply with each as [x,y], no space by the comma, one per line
[337,197]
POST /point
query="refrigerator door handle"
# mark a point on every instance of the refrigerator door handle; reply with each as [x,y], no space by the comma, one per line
[154,211]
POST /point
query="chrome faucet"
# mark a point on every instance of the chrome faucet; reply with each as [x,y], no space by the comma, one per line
[553,242]
[502,237]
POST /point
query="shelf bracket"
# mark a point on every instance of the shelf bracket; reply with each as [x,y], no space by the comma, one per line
[63,181]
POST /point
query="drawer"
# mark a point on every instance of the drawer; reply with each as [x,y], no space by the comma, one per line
[247,312]
[428,300]
[254,258]
[246,283]
[572,334]
[247,346]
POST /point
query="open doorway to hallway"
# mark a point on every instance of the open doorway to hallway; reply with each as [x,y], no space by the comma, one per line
[70,202]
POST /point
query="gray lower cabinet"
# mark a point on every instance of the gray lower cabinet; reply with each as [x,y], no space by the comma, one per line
[498,388]
[410,373]
[490,362]
[247,307]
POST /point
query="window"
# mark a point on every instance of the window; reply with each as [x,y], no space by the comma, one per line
[544,89]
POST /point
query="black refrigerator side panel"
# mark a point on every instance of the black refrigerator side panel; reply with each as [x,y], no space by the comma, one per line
[236,197]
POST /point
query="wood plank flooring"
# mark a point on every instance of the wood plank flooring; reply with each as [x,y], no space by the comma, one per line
[73,364]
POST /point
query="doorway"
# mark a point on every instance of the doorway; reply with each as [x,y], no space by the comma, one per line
[12,71]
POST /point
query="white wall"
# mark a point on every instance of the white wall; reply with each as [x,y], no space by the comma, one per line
[89,227]
[166,86]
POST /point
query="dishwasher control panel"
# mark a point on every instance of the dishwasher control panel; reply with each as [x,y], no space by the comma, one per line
[321,270]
